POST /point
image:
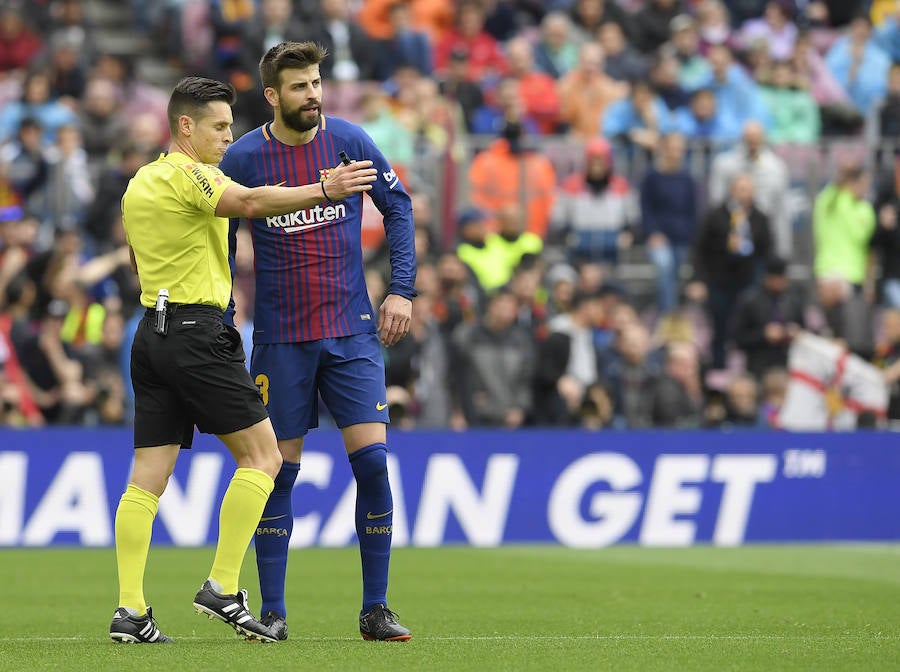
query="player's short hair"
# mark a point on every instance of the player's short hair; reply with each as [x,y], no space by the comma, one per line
[192,94]
[289,56]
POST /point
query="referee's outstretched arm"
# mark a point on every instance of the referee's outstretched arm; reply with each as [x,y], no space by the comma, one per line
[343,181]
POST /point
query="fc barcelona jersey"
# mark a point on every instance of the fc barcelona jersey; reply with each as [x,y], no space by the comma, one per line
[308,263]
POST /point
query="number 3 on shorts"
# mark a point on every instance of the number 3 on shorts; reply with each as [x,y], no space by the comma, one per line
[262,382]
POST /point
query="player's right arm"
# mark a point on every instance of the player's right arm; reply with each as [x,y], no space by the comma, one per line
[266,201]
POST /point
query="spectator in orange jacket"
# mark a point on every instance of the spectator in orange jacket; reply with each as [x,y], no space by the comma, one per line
[586,91]
[507,173]
[433,17]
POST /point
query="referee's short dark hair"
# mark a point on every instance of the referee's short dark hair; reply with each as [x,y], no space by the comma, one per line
[191,94]
[289,56]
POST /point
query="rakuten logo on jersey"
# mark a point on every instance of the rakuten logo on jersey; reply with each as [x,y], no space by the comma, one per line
[311,218]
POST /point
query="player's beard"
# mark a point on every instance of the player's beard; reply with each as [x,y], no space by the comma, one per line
[298,119]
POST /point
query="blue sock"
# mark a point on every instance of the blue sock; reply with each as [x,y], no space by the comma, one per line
[272,537]
[374,521]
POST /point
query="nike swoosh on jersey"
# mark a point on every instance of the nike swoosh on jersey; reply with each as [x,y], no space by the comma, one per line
[265,520]
[373,516]
[380,406]
[305,227]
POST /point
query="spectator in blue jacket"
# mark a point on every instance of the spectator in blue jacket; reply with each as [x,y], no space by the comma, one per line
[669,217]
[641,119]
[860,65]
[36,103]
[703,120]
[406,47]
[737,95]
[502,105]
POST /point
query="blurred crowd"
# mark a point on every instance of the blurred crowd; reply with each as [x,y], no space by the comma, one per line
[677,118]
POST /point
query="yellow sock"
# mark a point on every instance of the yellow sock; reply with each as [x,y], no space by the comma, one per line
[242,507]
[134,524]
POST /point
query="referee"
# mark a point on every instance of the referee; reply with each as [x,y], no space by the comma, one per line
[187,367]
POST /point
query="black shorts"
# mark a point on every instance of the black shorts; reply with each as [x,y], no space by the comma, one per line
[195,375]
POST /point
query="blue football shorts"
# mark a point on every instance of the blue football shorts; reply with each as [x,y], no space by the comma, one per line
[348,372]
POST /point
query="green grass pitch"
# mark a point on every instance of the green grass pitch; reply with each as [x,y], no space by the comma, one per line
[513,608]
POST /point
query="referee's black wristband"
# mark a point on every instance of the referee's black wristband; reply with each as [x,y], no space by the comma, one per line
[324,193]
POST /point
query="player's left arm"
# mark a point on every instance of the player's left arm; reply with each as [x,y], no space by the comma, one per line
[392,200]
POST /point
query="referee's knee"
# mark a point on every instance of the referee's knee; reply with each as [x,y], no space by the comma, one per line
[271,460]
[262,459]
[255,448]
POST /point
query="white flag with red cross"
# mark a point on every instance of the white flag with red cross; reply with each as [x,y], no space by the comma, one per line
[830,387]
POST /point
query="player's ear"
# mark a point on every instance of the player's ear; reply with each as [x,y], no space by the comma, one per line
[271,95]
[185,124]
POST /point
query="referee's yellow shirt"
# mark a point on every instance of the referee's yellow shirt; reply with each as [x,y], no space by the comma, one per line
[169,214]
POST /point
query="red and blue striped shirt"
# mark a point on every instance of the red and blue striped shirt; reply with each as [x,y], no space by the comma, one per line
[308,264]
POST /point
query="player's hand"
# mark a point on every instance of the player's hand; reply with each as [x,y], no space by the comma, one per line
[394,318]
[346,180]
